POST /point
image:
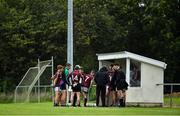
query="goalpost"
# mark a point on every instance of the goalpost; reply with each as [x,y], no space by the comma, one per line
[36,83]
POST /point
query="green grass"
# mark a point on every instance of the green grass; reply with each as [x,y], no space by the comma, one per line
[48,109]
[175,101]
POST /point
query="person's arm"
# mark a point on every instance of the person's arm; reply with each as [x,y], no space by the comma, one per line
[55,81]
[70,79]
[80,78]
[53,77]
[91,81]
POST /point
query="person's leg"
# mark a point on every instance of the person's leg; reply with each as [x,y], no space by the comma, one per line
[75,99]
[78,98]
[85,98]
[120,98]
[107,96]
[113,97]
[103,93]
[60,97]
[69,92]
[124,98]
[72,98]
[97,95]
[57,96]
[63,98]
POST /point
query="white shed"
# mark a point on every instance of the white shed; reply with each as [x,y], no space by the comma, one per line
[142,74]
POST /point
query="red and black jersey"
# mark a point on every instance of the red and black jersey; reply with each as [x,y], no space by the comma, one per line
[59,81]
[75,77]
[87,78]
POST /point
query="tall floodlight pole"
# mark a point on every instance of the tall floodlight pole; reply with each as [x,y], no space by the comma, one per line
[70,40]
[70,34]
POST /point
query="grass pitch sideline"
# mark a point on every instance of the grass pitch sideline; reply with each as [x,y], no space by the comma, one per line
[48,109]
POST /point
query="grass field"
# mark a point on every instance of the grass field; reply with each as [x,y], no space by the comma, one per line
[48,109]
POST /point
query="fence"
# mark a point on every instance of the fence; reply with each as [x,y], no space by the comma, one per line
[177,98]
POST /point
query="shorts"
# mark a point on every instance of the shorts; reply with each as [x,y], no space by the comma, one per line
[84,89]
[70,88]
[120,87]
[77,88]
[63,87]
[57,89]
[60,88]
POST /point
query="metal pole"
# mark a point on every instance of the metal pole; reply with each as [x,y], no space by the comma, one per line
[171,96]
[15,95]
[52,69]
[39,81]
[128,70]
[70,37]
[70,34]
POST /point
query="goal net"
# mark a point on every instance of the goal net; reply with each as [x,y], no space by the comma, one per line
[35,86]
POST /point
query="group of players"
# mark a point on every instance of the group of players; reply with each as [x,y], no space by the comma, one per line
[109,82]
[77,81]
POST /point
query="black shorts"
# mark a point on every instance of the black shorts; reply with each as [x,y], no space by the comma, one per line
[122,87]
[77,88]
[63,87]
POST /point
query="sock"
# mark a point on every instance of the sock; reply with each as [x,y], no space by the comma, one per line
[74,101]
[85,101]
[124,103]
[56,104]
[121,102]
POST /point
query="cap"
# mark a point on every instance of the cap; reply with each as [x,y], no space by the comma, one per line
[77,67]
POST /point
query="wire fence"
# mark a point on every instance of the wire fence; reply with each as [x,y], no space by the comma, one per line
[171,99]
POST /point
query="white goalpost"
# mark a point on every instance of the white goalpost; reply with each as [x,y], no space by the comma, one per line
[36,83]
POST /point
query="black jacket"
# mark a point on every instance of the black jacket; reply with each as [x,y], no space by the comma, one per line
[119,80]
[101,77]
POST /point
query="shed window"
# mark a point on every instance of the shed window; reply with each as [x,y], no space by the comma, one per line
[135,73]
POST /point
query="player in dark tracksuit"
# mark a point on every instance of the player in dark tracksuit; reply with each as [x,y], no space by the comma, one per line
[121,85]
[101,80]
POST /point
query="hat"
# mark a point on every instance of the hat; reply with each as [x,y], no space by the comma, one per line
[77,67]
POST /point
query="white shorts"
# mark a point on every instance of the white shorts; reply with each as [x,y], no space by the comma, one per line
[57,89]
[84,89]
[69,88]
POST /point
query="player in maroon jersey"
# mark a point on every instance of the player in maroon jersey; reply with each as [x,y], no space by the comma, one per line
[59,86]
[75,81]
[86,83]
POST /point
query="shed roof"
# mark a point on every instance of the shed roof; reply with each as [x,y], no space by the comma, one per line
[125,54]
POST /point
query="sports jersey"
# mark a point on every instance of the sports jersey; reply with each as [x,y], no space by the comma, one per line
[87,80]
[59,81]
[75,78]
